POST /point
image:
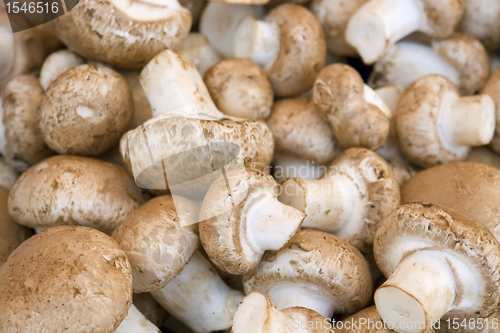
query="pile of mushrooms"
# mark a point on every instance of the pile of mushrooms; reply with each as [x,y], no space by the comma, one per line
[251,166]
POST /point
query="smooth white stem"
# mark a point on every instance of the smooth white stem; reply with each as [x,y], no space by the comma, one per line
[257,40]
[305,295]
[419,292]
[379,24]
[56,64]
[197,48]
[371,97]
[199,298]
[136,322]
[269,223]
[468,121]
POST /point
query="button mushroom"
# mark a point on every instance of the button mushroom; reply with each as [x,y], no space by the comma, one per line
[124,34]
[481,20]
[315,270]
[240,88]
[56,64]
[23,143]
[438,261]
[76,191]
[380,23]
[198,49]
[460,58]
[435,125]
[248,220]
[357,191]
[72,279]
[288,43]
[359,117]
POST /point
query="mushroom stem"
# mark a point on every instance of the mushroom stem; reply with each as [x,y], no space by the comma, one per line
[380,23]
[257,40]
[419,292]
[269,223]
[136,322]
[468,121]
[6,53]
[181,297]
[332,204]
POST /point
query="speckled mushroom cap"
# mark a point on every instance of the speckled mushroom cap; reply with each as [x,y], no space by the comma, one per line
[492,89]
[240,88]
[469,57]
[123,34]
[71,190]
[85,110]
[301,131]
[332,264]
[314,322]
[73,279]
[11,233]
[471,188]
[157,244]
[441,17]
[302,50]
[339,93]
[481,21]
[24,145]
[425,226]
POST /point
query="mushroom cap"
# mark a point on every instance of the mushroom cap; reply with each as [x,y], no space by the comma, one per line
[469,57]
[471,188]
[56,64]
[378,184]
[302,51]
[71,190]
[420,226]
[417,120]
[314,322]
[334,16]
[492,89]
[301,131]
[223,236]
[339,93]
[240,88]
[24,145]
[317,257]
[65,279]
[11,233]
[441,17]
[158,245]
[85,110]
[481,20]
[123,34]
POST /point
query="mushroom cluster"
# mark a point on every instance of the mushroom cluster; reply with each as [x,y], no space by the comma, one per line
[250,166]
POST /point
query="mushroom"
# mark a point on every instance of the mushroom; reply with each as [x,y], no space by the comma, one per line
[11,233]
[357,191]
[142,109]
[67,278]
[71,190]
[157,241]
[485,156]
[197,48]
[315,270]
[124,34]
[181,297]
[481,20]
[136,322]
[438,261]
[56,64]
[85,110]
[334,16]
[307,320]
[436,126]
[247,220]
[23,143]
[219,21]
[471,188]
[492,89]
[460,58]
[379,24]
[240,88]
[8,175]
[359,117]
[288,43]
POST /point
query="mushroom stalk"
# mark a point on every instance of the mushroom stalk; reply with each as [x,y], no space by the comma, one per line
[468,121]
[136,322]
[6,53]
[270,224]
[419,292]
[257,40]
[380,23]
[181,297]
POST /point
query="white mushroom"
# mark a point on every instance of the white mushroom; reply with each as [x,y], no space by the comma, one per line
[481,20]
[136,322]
